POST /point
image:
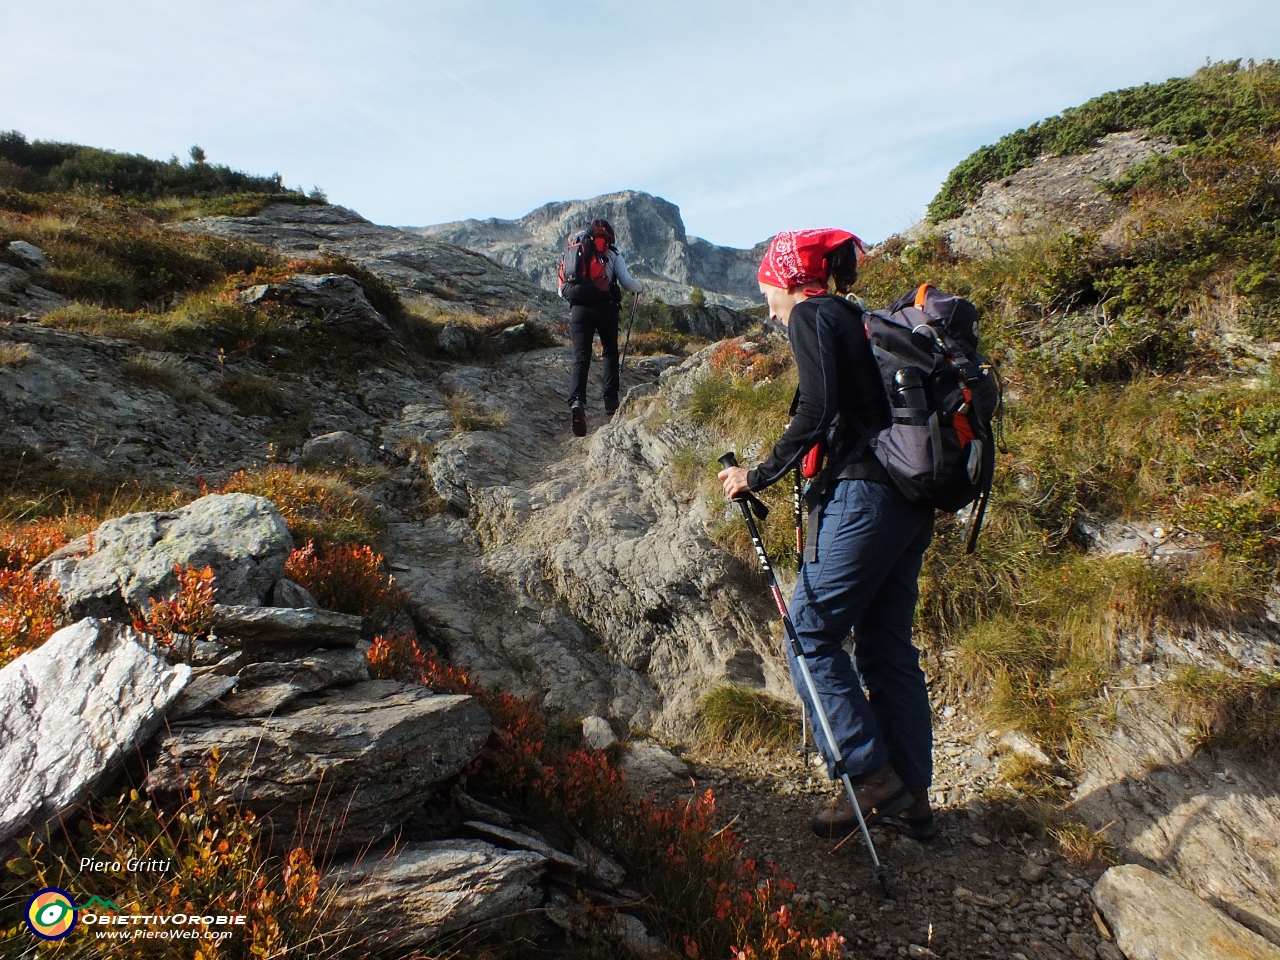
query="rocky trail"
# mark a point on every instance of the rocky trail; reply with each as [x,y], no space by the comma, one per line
[577,572]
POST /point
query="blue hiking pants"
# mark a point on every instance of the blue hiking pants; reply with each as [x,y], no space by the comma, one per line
[871,543]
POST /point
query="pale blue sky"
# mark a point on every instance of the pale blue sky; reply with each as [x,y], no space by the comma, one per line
[752,116]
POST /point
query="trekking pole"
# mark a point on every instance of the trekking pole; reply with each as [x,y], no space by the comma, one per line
[635,300]
[749,504]
[797,516]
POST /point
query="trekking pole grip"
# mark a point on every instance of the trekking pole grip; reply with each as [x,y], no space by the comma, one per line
[728,460]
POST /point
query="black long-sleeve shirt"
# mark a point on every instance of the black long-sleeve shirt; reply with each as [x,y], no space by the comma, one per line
[838,377]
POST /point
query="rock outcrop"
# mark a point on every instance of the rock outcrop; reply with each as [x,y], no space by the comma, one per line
[425,890]
[649,230]
[1153,918]
[20,292]
[423,268]
[130,559]
[1051,194]
[333,301]
[346,766]
[71,712]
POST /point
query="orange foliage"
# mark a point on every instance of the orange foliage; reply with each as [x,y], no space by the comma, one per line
[395,656]
[348,579]
[30,611]
[23,545]
[701,896]
[752,358]
[187,615]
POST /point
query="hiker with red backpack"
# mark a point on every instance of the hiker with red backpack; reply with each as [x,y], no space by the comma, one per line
[860,392]
[592,271]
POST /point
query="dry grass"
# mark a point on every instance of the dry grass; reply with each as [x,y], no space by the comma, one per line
[15,354]
[731,716]
[1234,710]
[469,413]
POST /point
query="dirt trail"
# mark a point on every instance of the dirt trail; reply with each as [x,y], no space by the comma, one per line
[974,891]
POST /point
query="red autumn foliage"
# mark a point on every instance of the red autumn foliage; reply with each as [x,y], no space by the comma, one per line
[185,616]
[23,545]
[752,358]
[702,897]
[30,611]
[347,578]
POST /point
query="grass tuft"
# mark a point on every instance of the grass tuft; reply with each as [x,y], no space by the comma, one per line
[1232,710]
[734,716]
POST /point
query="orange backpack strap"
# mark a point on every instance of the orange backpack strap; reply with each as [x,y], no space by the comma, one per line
[921,294]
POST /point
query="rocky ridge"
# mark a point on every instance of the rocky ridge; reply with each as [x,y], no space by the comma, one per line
[649,230]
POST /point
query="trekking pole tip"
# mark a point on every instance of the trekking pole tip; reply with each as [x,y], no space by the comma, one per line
[882,874]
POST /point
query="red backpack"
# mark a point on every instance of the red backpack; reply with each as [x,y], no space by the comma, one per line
[584,277]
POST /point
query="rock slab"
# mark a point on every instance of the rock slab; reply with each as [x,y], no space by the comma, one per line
[423,890]
[347,765]
[70,712]
[242,538]
[1153,918]
[337,302]
[285,626]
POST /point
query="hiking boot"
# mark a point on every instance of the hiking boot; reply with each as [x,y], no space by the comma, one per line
[880,792]
[578,416]
[916,821]
[610,411]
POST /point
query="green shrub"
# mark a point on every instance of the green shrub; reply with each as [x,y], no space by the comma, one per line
[73,168]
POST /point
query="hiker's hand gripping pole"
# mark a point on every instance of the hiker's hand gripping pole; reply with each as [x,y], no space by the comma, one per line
[749,504]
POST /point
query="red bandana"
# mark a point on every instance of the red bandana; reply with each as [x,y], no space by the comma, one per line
[796,257]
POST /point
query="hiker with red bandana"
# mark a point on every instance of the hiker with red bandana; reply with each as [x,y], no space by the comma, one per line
[865,545]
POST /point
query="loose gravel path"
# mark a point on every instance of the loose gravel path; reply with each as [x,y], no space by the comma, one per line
[976,890]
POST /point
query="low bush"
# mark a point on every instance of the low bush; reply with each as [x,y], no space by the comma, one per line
[347,578]
[23,544]
[220,866]
[699,894]
[184,618]
[317,507]
[30,612]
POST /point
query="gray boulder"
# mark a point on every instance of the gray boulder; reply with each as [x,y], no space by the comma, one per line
[70,712]
[285,626]
[337,449]
[30,254]
[263,688]
[242,537]
[336,301]
[423,890]
[1153,918]
[20,297]
[286,593]
[455,341]
[647,764]
[596,732]
[351,764]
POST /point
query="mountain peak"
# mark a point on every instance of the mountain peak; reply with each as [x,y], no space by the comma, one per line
[649,230]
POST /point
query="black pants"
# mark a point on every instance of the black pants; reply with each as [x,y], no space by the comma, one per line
[584,323]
